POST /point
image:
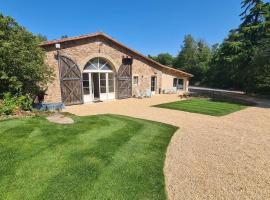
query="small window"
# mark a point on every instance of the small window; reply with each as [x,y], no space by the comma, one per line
[180,84]
[102,83]
[174,82]
[111,82]
[153,83]
[135,80]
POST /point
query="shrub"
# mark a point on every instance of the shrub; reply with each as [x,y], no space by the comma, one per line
[11,104]
[22,66]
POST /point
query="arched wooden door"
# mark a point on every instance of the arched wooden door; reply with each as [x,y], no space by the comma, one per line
[70,81]
[124,79]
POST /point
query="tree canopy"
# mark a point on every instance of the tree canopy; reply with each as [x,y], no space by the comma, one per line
[194,57]
[241,61]
[22,67]
[164,59]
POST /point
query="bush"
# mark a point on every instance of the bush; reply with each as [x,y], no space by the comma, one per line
[10,104]
[22,66]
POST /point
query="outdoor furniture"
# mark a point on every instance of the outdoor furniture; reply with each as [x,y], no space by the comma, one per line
[139,94]
[148,93]
[50,106]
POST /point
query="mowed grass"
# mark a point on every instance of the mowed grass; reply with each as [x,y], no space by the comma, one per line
[205,106]
[98,157]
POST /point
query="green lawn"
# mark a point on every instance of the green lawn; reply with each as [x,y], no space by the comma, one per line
[98,157]
[205,106]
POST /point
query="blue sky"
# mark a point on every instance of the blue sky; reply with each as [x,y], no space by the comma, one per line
[148,26]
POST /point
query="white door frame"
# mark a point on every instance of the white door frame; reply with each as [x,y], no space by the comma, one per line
[102,96]
[88,97]
[155,85]
[98,66]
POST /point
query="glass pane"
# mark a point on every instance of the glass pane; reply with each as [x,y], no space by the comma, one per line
[111,89]
[102,76]
[98,64]
[106,67]
[90,66]
[94,62]
[135,80]
[110,75]
[111,82]
[180,81]
[103,83]
[85,83]
[102,62]
[174,82]
[179,86]
[102,89]
[86,91]
[85,76]
[153,83]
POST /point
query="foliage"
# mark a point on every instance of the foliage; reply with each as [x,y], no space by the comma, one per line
[22,67]
[164,59]
[194,58]
[242,60]
[42,38]
[187,57]
[11,103]
[261,68]
[8,105]
[97,157]
[64,36]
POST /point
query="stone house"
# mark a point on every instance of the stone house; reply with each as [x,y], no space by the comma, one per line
[96,67]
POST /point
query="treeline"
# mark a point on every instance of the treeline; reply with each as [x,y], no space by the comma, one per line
[241,61]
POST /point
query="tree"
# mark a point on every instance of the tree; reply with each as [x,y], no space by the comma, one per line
[253,27]
[164,59]
[261,68]
[22,67]
[64,36]
[204,58]
[187,57]
[194,58]
[236,62]
[42,38]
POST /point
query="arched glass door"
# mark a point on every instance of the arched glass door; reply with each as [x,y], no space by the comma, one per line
[98,80]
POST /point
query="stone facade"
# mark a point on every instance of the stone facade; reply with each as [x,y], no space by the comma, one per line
[81,51]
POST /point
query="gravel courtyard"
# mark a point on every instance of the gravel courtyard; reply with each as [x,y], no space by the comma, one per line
[209,157]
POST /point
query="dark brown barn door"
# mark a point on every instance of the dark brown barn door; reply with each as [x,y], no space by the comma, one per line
[70,81]
[124,79]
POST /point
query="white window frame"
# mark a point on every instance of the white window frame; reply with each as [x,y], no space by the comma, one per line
[137,77]
[177,83]
[98,68]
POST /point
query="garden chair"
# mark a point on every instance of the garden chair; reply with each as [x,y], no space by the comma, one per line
[148,93]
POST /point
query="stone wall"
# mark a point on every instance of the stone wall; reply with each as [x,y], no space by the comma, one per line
[81,51]
[167,81]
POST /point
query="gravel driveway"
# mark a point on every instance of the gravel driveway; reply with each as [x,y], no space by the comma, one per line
[209,157]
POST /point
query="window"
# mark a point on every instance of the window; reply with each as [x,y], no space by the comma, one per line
[111,82]
[174,82]
[135,80]
[98,64]
[86,83]
[178,83]
[102,83]
[153,83]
